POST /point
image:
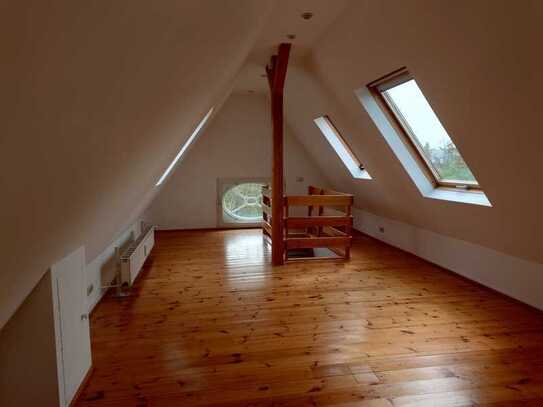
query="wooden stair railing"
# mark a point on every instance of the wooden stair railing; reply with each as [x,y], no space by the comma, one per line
[266,211]
[322,228]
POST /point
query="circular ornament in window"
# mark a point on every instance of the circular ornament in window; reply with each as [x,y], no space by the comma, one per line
[243,202]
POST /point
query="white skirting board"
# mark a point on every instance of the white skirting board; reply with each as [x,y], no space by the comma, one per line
[513,276]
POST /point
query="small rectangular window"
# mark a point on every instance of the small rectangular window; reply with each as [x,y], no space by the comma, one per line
[423,130]
[341,147]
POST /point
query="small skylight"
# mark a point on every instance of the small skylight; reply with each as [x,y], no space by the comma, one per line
[341,148]
[185,146]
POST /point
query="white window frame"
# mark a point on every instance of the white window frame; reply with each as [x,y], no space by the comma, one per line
[342,149]
[419,174]
[391,81]
[223,185]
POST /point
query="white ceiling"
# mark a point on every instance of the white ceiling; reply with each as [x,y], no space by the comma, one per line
[286,18]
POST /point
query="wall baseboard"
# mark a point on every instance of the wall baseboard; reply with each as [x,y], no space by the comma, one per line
[515,277]
[182,229]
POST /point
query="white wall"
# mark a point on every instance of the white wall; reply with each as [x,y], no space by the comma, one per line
[28,357]
[96,97]
[476,63]
[101,271]
[513,276]
[237,143]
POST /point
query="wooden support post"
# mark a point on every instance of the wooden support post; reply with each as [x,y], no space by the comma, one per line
[348,231]
[277,71]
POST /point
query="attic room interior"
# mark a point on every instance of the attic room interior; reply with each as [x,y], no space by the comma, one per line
[271,203]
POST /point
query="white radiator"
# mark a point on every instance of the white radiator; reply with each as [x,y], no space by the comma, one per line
[135,255]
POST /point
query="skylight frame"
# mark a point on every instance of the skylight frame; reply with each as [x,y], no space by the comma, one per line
[328,130]
[185,146]
[378,89]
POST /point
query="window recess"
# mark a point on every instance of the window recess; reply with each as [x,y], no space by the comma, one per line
[341,147]
[185,146]
[409,112]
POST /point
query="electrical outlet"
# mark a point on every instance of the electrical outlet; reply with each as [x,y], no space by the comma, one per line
[90,289]
[381,229]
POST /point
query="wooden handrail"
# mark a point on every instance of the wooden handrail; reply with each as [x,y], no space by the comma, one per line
[266,192]
[323,191]
[266,209]
[311,221]
[267,227]
[319,200]
[332,231]
[321,230]
[313,242]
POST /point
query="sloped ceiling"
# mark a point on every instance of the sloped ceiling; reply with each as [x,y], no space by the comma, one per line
[286,19]
[477,64]
[96,99]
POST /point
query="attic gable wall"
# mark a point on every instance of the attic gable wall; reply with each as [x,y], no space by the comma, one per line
[476,63]
[96,99]
[236,144]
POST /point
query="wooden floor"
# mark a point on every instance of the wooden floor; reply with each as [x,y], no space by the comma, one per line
[211,323]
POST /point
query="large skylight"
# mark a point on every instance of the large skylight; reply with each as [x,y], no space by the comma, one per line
[185,146]
[428,135]
[341,148]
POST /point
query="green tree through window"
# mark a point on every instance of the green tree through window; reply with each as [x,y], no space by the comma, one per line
[427,133]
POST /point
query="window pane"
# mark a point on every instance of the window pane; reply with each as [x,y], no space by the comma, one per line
[422,124]
[243,202]
[341,148]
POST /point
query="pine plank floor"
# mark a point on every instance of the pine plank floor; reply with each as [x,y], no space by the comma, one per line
[210,323]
